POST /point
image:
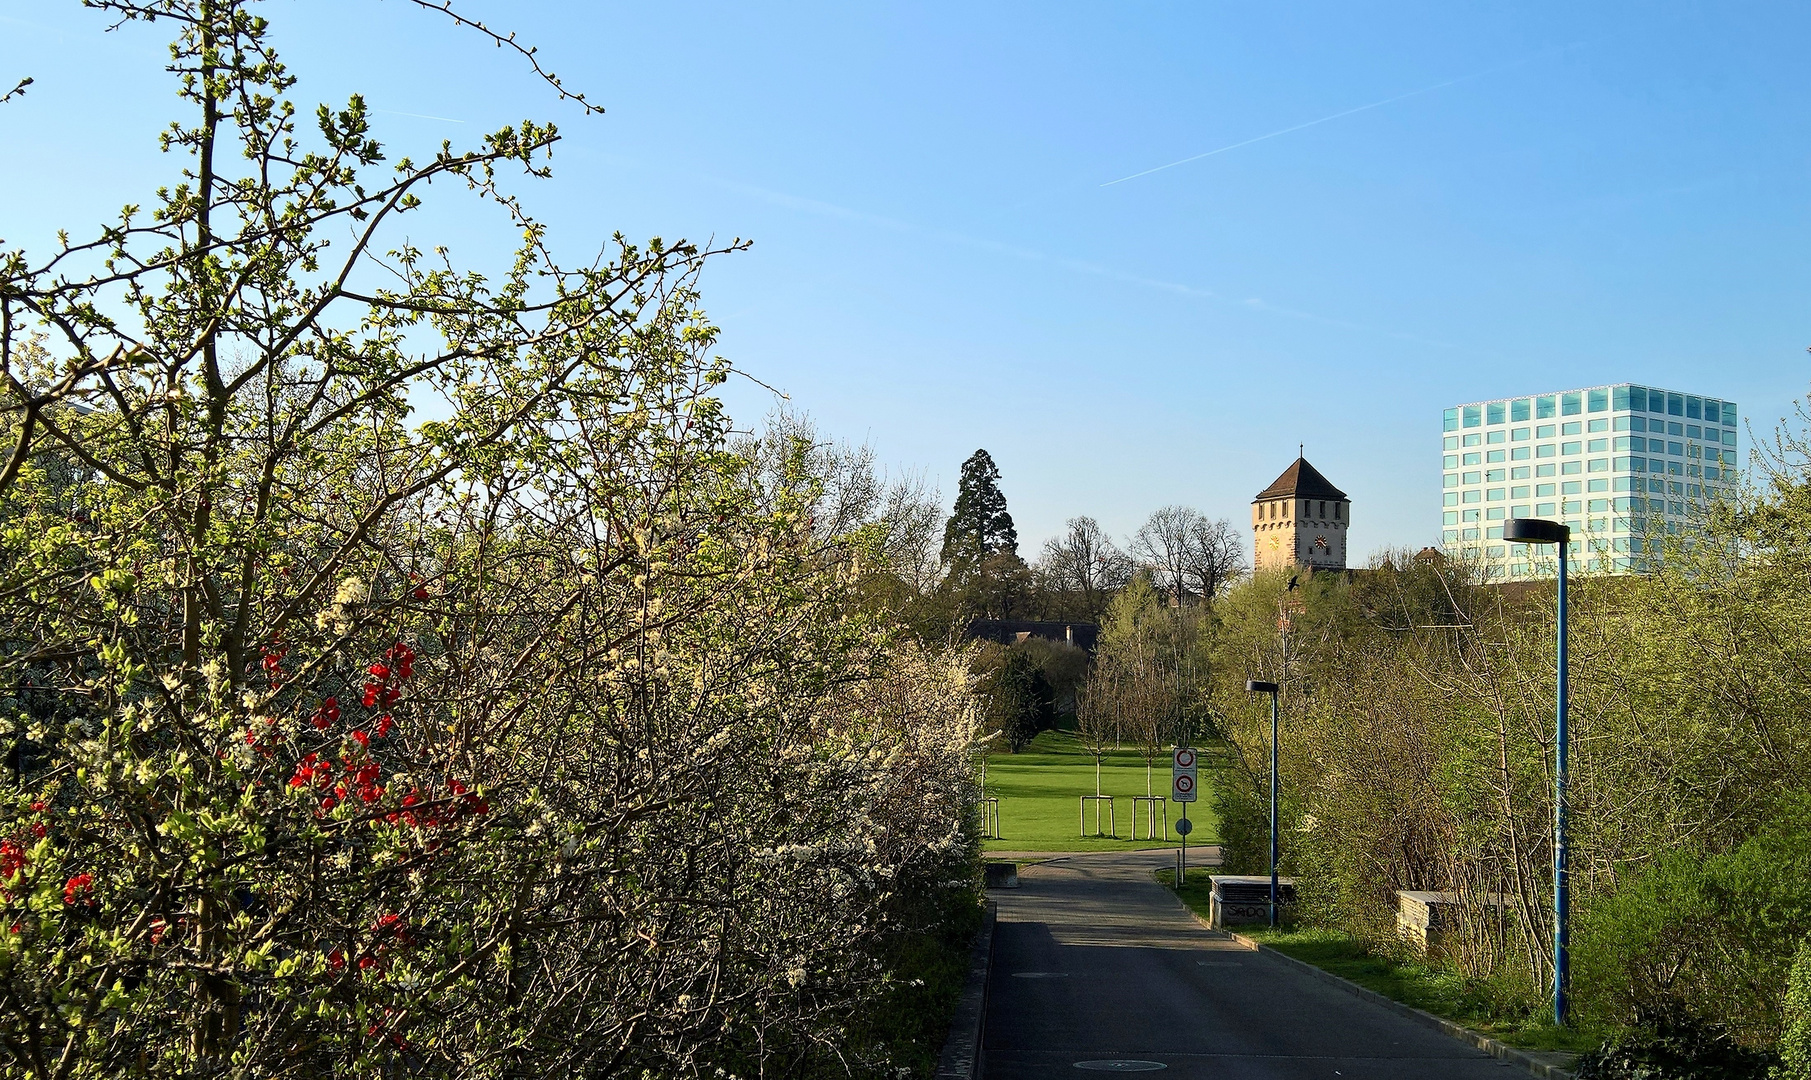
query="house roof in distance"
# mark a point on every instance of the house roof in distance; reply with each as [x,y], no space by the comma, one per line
[1300,480]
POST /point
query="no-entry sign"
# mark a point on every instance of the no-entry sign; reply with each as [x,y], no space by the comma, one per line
[1182,775]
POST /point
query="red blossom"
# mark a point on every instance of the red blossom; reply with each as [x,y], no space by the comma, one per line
[38,807]
[402,656]
[12,858]
[371,691]
[363,739]
[78,887]
[385,725]
[336,960]
[38,830]
[379,671]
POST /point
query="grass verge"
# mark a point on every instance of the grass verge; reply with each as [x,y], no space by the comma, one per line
[1038,789]
[1478,1004]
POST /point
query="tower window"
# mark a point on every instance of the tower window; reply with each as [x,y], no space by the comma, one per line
[1335,511]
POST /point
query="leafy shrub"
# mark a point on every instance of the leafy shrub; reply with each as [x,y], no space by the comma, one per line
[1795,1038]
[1676,1046]
[1713,934]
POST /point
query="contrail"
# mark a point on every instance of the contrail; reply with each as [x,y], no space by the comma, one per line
[1347,112]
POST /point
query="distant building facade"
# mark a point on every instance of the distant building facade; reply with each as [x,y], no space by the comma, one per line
[1300,520]
[1082,635]
[1622,465]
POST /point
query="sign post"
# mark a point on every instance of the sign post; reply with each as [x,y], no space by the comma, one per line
[1184,785]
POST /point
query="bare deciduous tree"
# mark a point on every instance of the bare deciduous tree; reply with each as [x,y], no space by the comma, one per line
[1085,562]
[1189,556]
[1214,556]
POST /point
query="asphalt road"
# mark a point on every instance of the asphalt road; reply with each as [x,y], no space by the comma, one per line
[1095,963]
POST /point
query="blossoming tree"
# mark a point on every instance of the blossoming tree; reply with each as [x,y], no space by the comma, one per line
[548,736]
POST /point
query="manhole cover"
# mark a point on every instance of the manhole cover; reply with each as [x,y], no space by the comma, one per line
[1120,1065]
[1040,974]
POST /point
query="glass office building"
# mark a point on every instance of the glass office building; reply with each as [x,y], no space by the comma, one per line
[1623,465]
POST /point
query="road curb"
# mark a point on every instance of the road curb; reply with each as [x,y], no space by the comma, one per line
[1500,1050]
[962,1048]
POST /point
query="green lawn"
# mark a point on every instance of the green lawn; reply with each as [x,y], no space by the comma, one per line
[1430,989]
[1038,789]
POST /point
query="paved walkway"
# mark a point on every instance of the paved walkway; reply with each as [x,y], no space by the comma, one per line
[1095,963]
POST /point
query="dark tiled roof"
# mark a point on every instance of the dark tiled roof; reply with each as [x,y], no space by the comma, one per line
[1303,481]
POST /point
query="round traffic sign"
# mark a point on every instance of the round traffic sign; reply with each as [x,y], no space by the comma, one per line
[1185,784]
[1184,827]
[1185,757]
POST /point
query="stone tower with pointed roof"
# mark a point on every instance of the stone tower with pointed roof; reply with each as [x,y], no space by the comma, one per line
[1300,520]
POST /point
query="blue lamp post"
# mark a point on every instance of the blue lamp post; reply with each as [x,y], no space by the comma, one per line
[1542,531]
[1252,686]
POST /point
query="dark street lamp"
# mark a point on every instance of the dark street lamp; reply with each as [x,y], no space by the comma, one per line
[1252,686]
[1542,531]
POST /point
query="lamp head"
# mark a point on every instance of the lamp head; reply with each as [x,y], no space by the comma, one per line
[1252,686]
[1536,531]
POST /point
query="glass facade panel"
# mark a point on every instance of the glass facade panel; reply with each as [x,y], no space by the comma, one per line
[1599,465]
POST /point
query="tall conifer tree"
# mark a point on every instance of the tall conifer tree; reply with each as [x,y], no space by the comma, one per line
[978,525]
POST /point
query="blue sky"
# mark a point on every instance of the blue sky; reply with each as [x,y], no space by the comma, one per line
[1551,195]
